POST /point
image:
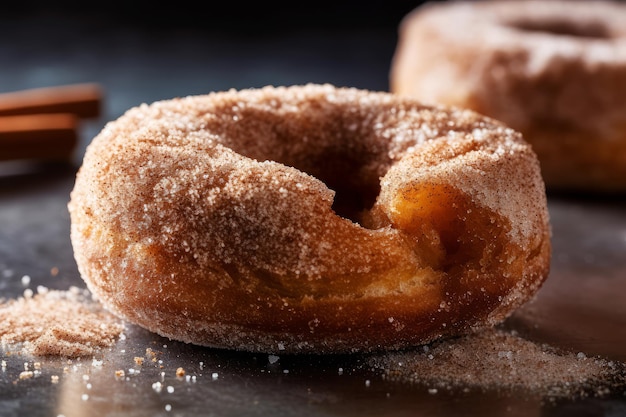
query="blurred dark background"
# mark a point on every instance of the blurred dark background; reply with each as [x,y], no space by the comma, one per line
[141,52]
[240,17]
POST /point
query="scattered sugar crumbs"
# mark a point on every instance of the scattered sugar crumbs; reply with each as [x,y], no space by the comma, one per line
[496,359]
[56,323]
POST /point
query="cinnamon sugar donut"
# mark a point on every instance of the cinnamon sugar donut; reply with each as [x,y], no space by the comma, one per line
[309,219]
[553,70]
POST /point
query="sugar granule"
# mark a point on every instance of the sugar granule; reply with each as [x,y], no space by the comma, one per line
[57,323]
[26,374]
[497,359]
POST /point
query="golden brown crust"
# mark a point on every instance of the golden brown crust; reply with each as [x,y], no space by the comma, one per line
[553,70]
[214,220]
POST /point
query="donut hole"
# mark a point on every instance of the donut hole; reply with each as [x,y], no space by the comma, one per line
[331,145]
[342,172]
[563,27]
[347,171]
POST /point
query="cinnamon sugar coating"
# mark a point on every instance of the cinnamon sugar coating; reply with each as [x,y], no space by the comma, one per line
[553,70]
[309,219]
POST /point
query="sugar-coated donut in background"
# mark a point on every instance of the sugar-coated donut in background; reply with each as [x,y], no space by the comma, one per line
[309,219]
[553,70]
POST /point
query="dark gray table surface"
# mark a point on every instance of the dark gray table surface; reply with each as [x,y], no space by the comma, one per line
[582,306]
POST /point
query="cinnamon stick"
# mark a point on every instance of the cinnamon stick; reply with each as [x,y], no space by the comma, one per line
[83,100]
[38,136]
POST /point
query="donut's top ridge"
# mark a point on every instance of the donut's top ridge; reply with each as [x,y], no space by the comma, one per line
[303,133]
